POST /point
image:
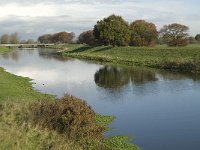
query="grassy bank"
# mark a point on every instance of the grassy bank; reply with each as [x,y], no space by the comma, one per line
[24,122]
[16,88]
[183,59]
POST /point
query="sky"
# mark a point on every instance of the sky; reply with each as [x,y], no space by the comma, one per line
[31,18]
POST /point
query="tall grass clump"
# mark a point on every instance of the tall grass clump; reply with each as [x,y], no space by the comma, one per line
[69,116]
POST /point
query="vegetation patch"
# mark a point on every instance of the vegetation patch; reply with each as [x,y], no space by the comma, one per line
[69,115]
[17,133]
[103,120]
[120,142]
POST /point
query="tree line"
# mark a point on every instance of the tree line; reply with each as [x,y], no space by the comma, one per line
[57,38]
[115,31]
[14,38]
[10,39]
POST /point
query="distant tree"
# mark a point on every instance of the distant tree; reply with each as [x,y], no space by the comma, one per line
[14,38]
[30,41]
[63,37]
[143,33]
[71,37]
[46,38]
[87,37]
[192,40]
[113,30]
[5,39]
[197,37]
[175,34]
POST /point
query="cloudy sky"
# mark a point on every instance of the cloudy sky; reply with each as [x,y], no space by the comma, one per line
[32,18]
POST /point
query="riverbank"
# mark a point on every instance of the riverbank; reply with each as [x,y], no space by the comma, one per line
[17,97]
[181,59]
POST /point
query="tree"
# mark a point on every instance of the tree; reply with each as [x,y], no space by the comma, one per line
[71,37]
[14,38]
[5,39]
[63,37]
[46,38]
[113,30]
[87,37]
[143,33]
[197,37]
[175,34]
[30,41]
[192,40]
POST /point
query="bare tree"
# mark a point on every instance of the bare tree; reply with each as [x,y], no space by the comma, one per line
[175,34]
[5,39]
[14,38]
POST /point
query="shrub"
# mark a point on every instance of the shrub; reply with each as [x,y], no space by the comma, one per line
[69,116]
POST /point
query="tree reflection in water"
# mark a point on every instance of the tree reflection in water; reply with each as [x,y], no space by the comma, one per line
[52,54]
[116,77]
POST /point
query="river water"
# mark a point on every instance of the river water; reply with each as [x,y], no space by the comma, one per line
[159,110]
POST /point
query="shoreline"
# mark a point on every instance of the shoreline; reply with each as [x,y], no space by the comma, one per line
[176,59]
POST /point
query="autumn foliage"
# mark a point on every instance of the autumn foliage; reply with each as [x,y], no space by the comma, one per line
[69,116]
[61,37]
[143,33]
[87,37]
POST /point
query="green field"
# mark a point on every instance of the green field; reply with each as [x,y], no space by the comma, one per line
[183,59]
[18,133]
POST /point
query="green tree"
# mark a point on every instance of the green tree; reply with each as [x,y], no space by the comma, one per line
[87,37]
[113,30]
[197,37]
[143,33]
[175,34]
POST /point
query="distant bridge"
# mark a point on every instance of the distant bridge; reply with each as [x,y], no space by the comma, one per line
[25,45]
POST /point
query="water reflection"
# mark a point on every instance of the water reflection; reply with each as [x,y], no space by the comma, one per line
[14,56]
[117,77]
[166,75]
[52,54]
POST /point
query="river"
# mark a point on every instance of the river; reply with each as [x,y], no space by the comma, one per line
[159,110]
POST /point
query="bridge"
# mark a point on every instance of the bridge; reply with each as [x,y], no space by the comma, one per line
[26,45]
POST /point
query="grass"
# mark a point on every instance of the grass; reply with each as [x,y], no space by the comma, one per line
[183,59]
[17,132]
[18,88]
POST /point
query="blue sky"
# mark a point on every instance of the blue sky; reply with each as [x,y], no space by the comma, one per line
[35,17]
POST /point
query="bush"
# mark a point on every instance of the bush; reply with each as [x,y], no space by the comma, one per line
[69,116]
